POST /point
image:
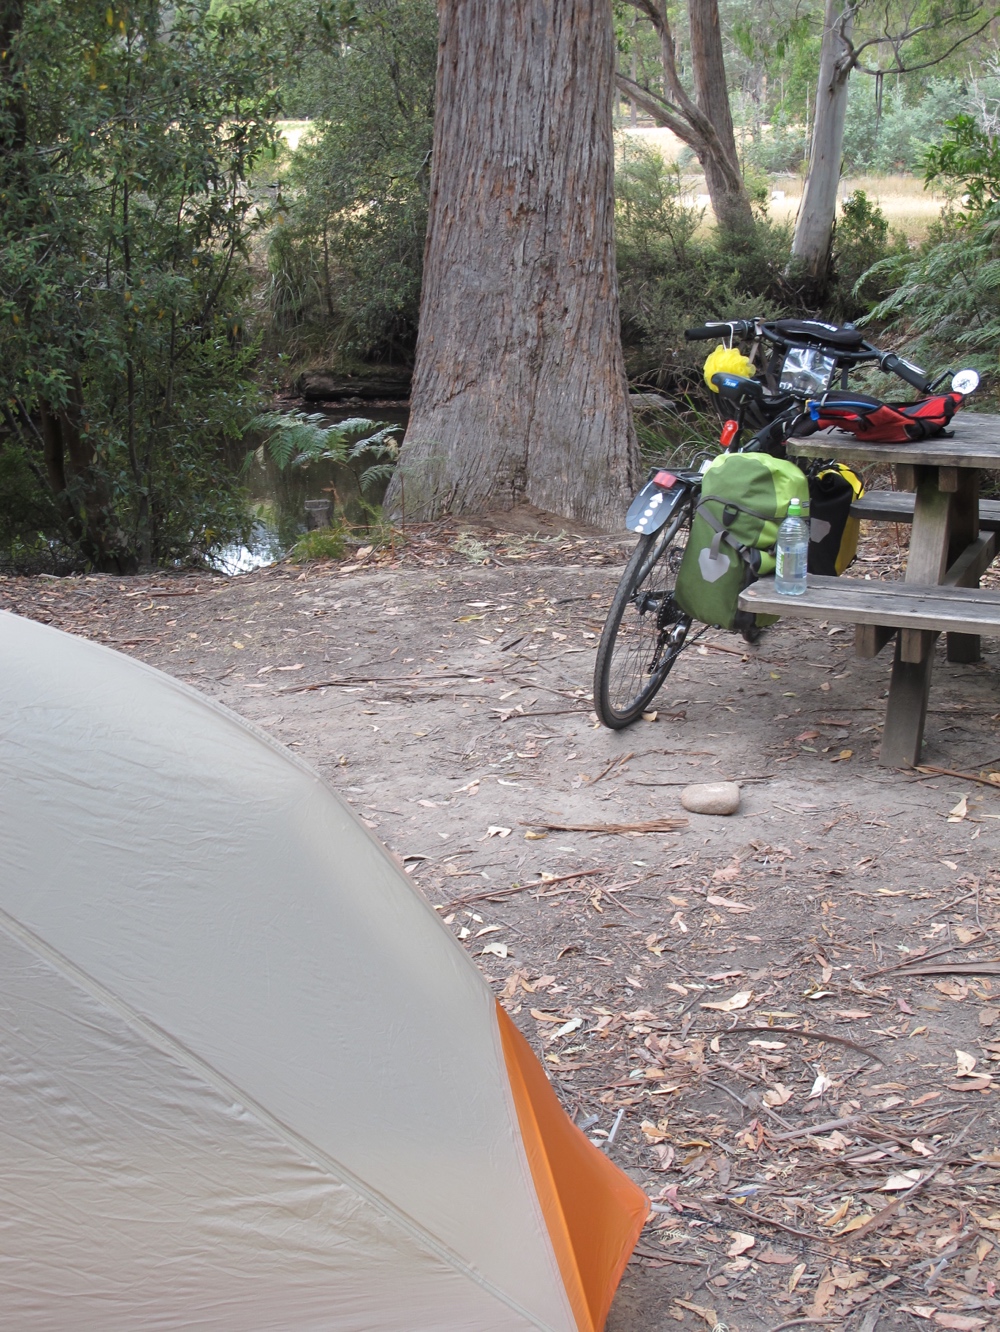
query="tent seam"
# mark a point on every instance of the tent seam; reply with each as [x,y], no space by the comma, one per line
[293,760]
[170,1045]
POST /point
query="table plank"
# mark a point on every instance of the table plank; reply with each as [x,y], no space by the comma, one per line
[899,605]
[896,506]
[975,443]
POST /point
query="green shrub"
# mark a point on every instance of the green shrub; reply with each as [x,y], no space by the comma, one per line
[323,543]
[127,142]
[673,273]
[861,240]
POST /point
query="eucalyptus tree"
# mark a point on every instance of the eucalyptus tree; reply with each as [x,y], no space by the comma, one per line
[701,117]
[894,39]
[519,389]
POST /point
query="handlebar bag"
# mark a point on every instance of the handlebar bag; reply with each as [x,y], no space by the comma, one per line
[744,499]
[884,422]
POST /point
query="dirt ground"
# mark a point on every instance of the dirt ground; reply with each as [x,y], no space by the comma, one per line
[782,1024]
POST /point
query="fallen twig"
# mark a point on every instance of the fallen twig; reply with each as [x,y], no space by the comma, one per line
[797,1031]
[651,826]
[923,957]
[615,762]
[519,888]
[932,771]
[826,1127]
[661,1255]
[881,1217]
[803,1322]
[778,1225]
[955,969]
[346,680]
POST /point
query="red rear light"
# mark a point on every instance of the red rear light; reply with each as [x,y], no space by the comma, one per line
[665,480]
[729,433]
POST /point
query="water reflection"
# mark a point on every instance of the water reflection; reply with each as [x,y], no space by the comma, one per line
[278,497]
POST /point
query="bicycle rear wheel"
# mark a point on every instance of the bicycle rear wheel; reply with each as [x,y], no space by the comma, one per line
[645,630]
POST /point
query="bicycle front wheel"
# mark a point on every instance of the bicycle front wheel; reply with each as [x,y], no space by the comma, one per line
[645,630]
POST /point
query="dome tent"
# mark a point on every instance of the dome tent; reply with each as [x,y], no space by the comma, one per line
[248,1080]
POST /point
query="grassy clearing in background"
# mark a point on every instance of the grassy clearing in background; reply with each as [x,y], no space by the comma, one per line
[907,206]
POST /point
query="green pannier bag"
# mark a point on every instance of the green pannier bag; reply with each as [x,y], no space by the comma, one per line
[744,499]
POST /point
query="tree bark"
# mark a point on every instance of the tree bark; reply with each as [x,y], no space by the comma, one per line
[705,121]
[813,239]
[723,176]
[519,387]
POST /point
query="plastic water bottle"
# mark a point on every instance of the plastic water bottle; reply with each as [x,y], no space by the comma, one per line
[792,553]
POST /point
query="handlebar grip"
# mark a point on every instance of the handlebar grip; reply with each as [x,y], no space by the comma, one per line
[706,331]
[910,373]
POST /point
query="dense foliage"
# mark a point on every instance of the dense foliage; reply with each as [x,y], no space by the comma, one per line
[345,258]
[946,299]
[153,231]
[128,138]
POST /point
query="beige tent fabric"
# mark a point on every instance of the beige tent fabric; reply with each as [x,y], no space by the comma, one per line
[247,1079]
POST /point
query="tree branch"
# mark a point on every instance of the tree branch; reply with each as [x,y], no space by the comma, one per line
[852,54]
[662,111]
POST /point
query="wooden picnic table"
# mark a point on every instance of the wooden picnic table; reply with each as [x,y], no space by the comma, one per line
[953,540]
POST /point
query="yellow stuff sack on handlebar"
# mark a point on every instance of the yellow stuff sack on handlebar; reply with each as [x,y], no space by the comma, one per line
[728,360]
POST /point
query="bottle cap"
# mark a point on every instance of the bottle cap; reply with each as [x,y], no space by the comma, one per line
[794,509]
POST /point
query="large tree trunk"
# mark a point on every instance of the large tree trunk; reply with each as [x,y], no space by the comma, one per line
[519,388]
[813,239]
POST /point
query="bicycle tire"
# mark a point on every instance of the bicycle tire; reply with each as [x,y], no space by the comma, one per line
[645,631]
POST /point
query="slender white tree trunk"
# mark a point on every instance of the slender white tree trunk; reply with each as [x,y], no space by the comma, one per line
[814,225]
[519,388]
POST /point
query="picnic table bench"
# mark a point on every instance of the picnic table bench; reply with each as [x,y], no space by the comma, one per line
[953,541]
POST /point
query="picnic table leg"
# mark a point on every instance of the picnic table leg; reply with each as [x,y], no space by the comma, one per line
[964,529]
[906,711]
[909,687]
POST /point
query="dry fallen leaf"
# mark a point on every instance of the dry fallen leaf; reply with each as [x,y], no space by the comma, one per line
[777,1095]
[987,1016]
[709,1315]
[904,1180]
[964,935]
[840,1213]
[960,811]
[822,1084]
[731,1004]
[956,990]
[835,1142]
[798,1272]
[496,948]
[741,1242]
[824,1293]
[573,1024]
[728,874]
[959,1322]
[734,907]
[966,1063]
[773,1256]
[494,831]
[855,1224]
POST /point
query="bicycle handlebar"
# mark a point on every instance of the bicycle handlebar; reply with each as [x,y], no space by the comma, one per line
[912,374]
[887,361]
[737,328]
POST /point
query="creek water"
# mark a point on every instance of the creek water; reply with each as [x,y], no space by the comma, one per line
[278,496]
